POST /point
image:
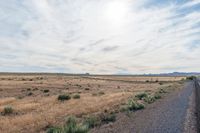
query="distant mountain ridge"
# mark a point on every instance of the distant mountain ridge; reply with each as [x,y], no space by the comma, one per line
[177,74]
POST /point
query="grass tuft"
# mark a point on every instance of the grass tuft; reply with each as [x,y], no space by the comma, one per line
[134,105]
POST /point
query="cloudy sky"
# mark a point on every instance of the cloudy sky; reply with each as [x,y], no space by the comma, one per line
[100,36]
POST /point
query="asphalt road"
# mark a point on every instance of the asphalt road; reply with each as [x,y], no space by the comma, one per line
[169,115]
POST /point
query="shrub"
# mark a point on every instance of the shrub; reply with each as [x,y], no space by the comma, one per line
[149,99]
[46,91]
[64,97]
[76,96]
[134,105]
[70,127]
[7,110]
[141,96]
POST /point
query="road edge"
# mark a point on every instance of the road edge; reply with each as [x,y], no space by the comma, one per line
[197,87]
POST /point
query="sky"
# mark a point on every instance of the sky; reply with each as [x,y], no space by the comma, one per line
[100,36]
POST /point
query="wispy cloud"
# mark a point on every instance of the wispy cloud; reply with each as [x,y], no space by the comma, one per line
[77,36]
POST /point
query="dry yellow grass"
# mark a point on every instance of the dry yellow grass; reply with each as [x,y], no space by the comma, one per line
[142,78]
[34,113]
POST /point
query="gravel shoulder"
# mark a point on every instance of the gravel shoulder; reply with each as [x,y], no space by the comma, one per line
[172,114]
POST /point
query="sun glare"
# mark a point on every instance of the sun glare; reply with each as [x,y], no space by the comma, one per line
[116,11]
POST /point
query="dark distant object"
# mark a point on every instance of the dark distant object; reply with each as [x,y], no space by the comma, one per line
[87,74]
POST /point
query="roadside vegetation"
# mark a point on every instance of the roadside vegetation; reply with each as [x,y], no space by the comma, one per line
[140,100]
[73,126]
[191,78]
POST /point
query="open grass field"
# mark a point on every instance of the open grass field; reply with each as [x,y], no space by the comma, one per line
[35,104]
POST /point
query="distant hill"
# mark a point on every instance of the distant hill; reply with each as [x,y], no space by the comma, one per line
[177,74]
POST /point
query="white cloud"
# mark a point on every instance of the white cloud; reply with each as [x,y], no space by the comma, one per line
[79,36]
